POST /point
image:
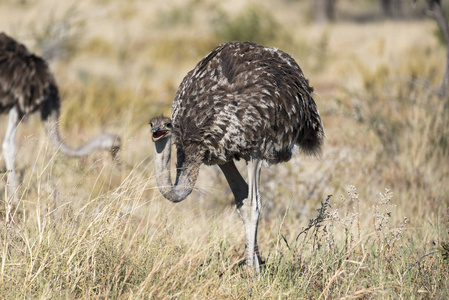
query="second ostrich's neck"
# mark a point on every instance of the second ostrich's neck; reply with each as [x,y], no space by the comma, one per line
[102,141]
[186,172]
[50,117]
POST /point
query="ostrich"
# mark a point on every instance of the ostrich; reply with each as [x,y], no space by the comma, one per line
[26,86]
[242,101]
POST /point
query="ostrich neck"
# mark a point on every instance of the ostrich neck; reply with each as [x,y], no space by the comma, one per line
[186,172]
[103,141]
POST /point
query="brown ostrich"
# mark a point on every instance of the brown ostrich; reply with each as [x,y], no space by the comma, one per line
[26,86]
[242,101]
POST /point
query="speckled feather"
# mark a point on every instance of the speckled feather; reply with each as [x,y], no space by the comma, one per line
[244,100]
[25,79]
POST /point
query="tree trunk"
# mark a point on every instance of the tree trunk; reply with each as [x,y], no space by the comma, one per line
[386,8]
[391,8]
[436,12]
[324,10]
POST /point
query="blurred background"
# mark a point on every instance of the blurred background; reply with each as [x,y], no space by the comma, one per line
[90,228]
[374,66]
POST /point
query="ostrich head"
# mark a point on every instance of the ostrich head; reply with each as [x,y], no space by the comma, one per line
[160,128]
[113,144]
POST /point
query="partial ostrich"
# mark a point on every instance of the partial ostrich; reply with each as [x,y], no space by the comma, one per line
[26,86]
[245,101]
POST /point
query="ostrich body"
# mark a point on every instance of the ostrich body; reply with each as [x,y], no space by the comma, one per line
[27,86]
[242,101]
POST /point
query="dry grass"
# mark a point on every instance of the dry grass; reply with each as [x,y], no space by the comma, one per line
[87,229]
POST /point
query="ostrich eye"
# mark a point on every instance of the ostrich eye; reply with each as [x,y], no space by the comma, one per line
[151,124]
[168,125]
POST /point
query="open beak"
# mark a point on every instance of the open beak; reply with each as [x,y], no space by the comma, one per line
[158,133]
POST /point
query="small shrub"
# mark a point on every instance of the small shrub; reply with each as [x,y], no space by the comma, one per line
[59,37]
[177,15]
[252,24]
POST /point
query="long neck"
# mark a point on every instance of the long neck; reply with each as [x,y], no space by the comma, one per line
[50,117]
[186,172]
[100,142]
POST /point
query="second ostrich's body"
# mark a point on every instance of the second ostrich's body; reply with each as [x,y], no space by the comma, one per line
[27,86]
[242,101]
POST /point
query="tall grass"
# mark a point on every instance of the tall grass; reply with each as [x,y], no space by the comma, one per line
[411,123]
[91,229]
[126,244]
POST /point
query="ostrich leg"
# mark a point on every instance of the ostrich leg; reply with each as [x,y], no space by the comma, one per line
[9,151]
[247,200]
[250,212]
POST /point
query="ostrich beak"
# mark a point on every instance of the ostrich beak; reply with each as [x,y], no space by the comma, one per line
[158,133]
